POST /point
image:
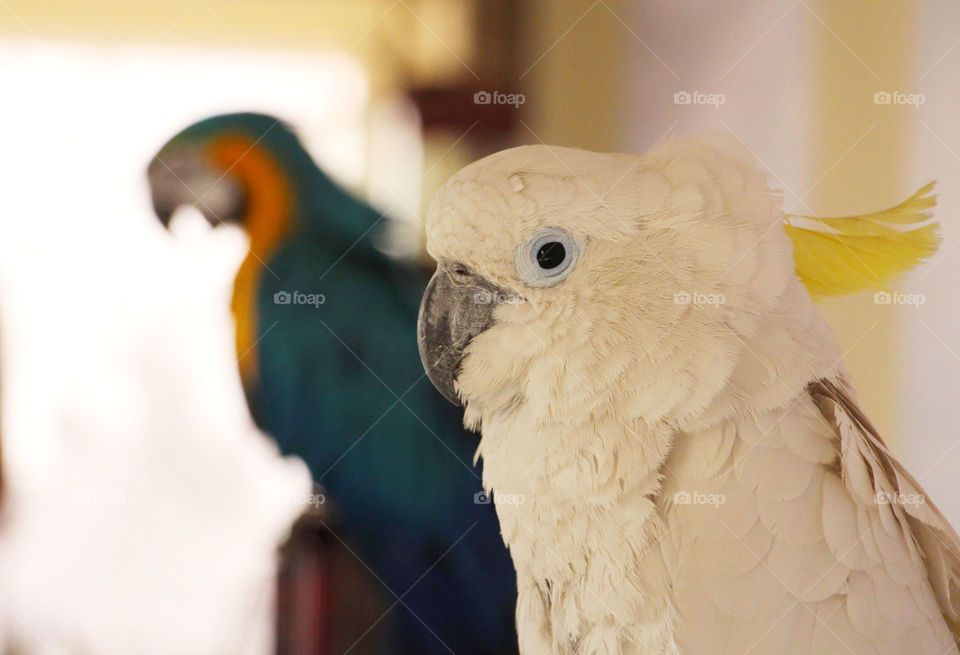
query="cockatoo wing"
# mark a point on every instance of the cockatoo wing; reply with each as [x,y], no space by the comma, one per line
[888,481]
[777,543]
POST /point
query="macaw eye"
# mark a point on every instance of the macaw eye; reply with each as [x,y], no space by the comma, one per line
[548,258]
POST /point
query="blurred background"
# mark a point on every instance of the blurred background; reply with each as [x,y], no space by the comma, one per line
[141,505]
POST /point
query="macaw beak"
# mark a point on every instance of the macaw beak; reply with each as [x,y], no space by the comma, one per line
[457,306]
[180,177]
[163,211]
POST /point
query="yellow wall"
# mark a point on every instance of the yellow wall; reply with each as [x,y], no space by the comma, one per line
[573,56]
[394,42]
[867,176]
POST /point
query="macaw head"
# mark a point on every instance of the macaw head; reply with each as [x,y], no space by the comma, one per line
[228,167]
[247,169]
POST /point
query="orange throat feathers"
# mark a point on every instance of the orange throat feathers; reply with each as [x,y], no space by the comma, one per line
[266,220]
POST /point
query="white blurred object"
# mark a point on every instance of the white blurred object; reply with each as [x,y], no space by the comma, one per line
[144,508]
[396,190]
[151,524]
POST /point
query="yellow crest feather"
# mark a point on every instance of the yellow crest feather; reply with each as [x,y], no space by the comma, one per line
[837,256]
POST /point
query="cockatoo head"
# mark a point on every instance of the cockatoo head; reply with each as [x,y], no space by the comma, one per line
[568,277]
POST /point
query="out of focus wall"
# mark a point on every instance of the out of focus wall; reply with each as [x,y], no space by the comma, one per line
[930,357]
[394,40]
[859,153]
[576,69]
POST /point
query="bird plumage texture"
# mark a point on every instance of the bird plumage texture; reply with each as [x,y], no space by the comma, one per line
[697,476]
[333,376]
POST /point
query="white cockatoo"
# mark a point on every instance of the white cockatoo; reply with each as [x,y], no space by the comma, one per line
[677,459]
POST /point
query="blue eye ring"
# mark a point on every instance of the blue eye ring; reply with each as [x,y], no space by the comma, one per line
[548,258]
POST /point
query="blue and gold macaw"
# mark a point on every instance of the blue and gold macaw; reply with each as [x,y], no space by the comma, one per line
[326,341]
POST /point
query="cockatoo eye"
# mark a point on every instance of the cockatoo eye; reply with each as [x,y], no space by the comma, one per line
[551,255]
[548,258]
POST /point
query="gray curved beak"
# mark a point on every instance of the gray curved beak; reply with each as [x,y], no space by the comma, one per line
[163,212]
[457,305]
[182,178]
